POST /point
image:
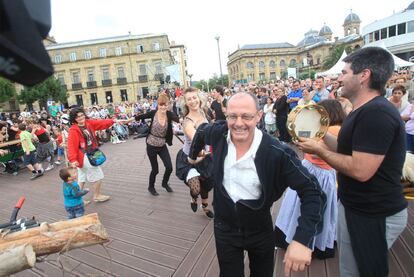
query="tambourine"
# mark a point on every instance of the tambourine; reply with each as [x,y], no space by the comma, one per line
[308,121]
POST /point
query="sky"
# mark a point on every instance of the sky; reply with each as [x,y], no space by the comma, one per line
[196,23]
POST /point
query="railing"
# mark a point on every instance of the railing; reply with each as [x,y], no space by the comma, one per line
[143,78]
[76,86]
[107,82]
[91,84]
[121,81]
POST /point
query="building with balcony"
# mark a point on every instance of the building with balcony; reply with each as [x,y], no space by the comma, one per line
[261,63]
[395,32]
[111,70]
[179,53]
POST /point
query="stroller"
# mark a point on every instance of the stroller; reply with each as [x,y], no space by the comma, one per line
[121,131]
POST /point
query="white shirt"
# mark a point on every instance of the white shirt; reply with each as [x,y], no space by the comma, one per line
[240,176]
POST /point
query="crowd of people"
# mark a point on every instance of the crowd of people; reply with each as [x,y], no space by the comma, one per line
[236,141]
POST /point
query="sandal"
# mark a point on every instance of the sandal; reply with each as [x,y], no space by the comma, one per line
[101,198]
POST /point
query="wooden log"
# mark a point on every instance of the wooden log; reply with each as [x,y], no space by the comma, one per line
[16,259]
[60,236]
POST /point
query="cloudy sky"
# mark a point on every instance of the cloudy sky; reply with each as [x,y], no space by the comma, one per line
[196,23]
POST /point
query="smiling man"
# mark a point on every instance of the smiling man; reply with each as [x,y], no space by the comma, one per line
[251,170]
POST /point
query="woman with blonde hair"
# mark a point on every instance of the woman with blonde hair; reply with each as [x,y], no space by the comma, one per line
[160,134]
[196,177]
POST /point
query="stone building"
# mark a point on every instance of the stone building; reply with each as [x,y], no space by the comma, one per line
[264,62]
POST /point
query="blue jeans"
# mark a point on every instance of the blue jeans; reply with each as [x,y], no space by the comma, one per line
[75,211]
[410,143]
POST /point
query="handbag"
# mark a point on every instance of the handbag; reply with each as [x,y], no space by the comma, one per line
[96,157]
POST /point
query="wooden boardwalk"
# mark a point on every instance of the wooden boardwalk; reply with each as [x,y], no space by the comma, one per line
[149,236]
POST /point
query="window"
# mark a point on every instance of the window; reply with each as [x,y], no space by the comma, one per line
[108,96]
[140,48]
[158,67]
[282,63]
[58,59]
[261,76]
[237,68]
[79,100]
[105,73]
[410,26]
[272,64]
[90,74]
[392,31]
[272,75]
[249,65]
[94,98]
[72,57]
[401,29]
[121,72]
[142,69]
[366,39]
[318,60]
[261,65]
[250,77]
[124,95]
[61,78]
[371,37]
[118,51]
[102,52]
[376,35]
[384,33]
[88,54]
[292,63]
[75,77]
[156,46]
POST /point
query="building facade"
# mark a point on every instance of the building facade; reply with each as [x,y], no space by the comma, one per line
[179,53]
[111,70]
[395,32]
[265,62]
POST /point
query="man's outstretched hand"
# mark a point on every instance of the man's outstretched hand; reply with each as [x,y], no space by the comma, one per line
[297,257]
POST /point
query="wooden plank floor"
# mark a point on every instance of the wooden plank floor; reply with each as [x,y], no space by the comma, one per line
[149,236]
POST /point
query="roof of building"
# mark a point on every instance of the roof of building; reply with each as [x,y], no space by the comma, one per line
[311,37]
[352,18]
[325,30]
[100,40]
[267,45]
[411,6]
[349,38]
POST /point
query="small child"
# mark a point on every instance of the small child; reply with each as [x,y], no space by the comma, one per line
[29,149]
[72,194]
[59,145]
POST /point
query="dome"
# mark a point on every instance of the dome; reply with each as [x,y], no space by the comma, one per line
[352,18]
[411,6]
[325,31]
[311,37]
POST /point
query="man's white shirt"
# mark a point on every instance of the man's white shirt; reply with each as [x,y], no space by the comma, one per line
[240,176]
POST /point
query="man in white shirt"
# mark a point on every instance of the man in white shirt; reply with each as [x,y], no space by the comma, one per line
[251,171]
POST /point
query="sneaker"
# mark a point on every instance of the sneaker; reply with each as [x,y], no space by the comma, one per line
[58,163]
[34,176]
[101,198]
[86,202]
[50,167]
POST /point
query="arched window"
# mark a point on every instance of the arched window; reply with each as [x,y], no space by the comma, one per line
[282,63]
[357,46]
[292,63]
[261,65]
[272,64]
[249,65]
[237,68]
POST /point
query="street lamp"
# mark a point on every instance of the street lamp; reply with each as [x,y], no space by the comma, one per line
[217,37]
[190,76]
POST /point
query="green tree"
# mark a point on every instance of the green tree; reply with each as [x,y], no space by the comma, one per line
[50,88]
[7,90]
[334,55]
[212,82]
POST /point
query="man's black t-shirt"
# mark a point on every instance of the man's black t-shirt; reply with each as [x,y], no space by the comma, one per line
[216,107]
[375,128]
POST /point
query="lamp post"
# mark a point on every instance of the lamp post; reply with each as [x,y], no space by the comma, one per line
[217,37]
[190,76]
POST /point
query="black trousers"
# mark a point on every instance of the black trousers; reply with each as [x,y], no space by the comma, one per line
[152,153]
[230,246]
[281,126]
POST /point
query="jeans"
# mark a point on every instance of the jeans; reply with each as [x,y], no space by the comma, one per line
[410,143]
[152,153]
[75,211]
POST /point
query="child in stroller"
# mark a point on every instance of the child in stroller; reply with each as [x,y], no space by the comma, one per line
[119,133]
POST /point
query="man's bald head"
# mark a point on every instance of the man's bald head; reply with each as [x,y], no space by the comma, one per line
[247,96]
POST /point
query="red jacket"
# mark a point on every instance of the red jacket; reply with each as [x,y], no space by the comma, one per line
[76,139]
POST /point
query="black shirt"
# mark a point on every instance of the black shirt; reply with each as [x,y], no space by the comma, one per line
[281,106]
[216,107]
[375,128]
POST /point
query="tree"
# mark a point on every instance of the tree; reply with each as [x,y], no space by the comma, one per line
[50,88]
[334,55]
[212,82]
[7,90]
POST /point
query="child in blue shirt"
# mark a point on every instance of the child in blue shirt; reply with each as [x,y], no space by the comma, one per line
[72,194]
